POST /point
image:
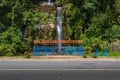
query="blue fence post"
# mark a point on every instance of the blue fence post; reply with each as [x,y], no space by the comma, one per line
[105,53]
[33,51]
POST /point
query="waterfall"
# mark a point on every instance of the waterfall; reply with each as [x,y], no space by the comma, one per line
[59,27]
[49,2]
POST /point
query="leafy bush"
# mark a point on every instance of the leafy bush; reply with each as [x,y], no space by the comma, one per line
[114,54]
[9,54]
[11,42]
[1,51]
[87,49]
[58,3]
[27,55]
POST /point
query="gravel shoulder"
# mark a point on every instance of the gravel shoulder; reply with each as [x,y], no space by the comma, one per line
[59,58]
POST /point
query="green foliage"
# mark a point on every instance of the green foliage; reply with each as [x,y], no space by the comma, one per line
[58,2]
[46,17]
[89,4]
[114,54]
[112,33]
[117,6]
[87,49]
[27,55]
[6,49]
[99,26]
[91,44]
[96,22]
[74,21]
[11,42]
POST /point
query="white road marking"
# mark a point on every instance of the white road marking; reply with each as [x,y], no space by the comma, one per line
[60,69]
[118,59]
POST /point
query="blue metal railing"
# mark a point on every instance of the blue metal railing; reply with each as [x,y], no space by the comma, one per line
[51,50]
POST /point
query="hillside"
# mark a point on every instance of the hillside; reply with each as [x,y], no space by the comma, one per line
[96,22]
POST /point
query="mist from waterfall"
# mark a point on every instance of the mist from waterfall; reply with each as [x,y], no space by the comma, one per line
[59,27]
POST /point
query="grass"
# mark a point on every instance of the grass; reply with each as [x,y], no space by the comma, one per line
[110,54]
[114,54]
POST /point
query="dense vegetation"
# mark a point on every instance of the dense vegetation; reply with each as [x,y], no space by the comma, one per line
[96,22]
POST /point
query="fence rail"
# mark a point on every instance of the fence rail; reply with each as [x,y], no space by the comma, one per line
[52,50]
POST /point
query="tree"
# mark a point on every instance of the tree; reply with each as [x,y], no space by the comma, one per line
[73,20]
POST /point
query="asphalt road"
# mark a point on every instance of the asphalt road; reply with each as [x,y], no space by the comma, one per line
[59,70]
[60,64]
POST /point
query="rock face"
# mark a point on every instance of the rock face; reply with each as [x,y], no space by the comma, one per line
[47,22]
[47,9]
[51,25]
[45,31]
[115,46]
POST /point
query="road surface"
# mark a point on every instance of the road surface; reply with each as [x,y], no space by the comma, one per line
[60,70]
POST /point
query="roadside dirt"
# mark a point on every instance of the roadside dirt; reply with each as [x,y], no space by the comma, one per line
[63,58]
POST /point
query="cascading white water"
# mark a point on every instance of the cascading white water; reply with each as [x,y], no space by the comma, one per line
[49,2]
[59,27]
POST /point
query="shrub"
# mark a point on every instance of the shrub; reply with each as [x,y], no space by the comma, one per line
[27,55]
[9,54]
[114,54]
[11,42]
[1,51]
